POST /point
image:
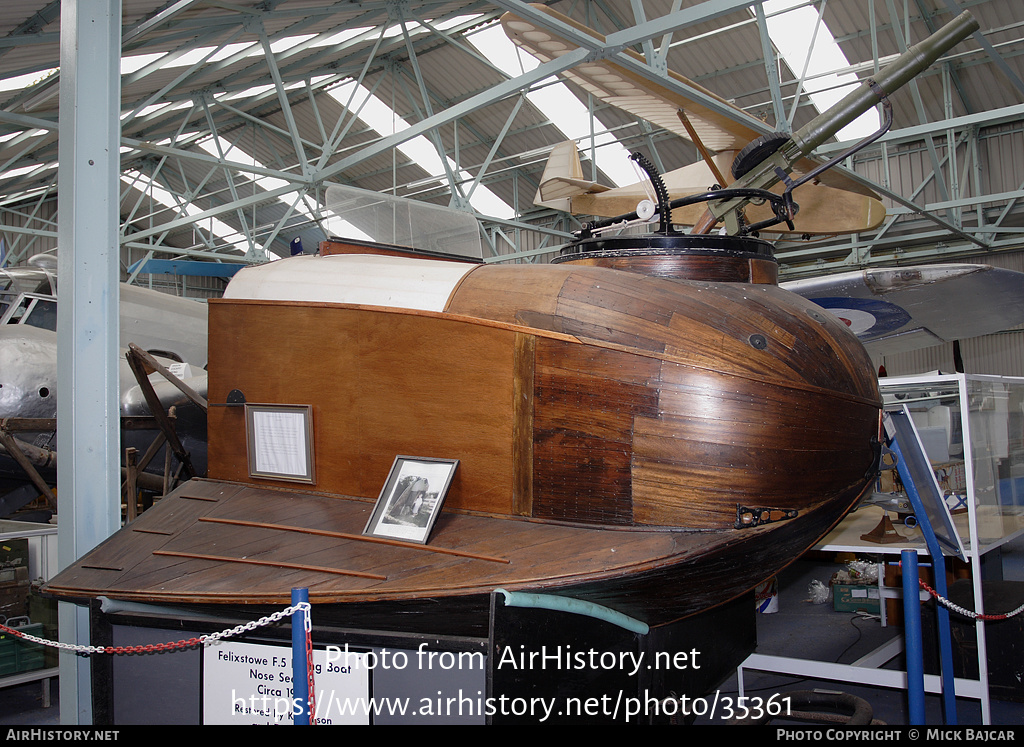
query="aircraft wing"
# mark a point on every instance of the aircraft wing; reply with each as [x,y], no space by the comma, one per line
[649,100]
[904,308]
[627,90]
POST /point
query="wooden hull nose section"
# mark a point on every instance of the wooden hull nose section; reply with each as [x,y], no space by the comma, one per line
[654,443]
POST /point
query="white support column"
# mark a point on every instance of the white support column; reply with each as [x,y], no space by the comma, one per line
[88,440]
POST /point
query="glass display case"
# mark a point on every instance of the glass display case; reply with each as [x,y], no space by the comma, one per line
[972,431]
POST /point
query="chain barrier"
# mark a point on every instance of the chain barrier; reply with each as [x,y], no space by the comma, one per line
[152,648]
[965,612]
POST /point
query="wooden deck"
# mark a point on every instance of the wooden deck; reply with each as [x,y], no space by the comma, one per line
[213,541]
[221,543]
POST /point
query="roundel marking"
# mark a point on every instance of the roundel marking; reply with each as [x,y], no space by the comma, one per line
[866,317]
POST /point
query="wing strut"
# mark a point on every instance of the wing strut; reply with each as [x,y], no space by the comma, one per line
[704,152]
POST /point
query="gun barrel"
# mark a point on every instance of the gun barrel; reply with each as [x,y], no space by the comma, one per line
[892,77]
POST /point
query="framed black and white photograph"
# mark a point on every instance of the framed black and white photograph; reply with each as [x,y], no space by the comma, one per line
[280,442]
[411,499]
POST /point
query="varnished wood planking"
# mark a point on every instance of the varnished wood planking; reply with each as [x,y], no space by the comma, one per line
[295,511]
[820,348]
[738,387]
[789,406]
[753,432]
[764,272]
[711,325]
[675,479]
[589,322]
[112,559]
[711,574]
[456,379]
[522,415]
[617,293]
[706,324]
[432,387]
[583,439]
[758,469]
[536,551]
[675,476]
[719,441]
[570,406]
[727,344]
[499,292]
[693,471]
[585,402]
[597,366]
[677,493]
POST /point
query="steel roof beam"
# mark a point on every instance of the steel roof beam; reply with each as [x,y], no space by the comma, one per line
[618,41]
[589,49]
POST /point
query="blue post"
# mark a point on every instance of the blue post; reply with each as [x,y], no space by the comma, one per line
[912,638]
[300,677]
[939,566]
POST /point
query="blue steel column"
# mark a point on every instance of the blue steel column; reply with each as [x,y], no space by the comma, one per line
[913,638]
[87,319]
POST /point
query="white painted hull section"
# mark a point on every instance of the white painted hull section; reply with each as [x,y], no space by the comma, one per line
[370,280]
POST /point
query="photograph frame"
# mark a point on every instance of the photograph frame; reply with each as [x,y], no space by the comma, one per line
[279,442]
[410,501]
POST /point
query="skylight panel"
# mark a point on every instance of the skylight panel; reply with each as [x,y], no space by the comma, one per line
[341,37]
[556,102]
[455,21]
[218,228]
[412,27]
[32,169]
[247,93]
[792,30]
[200,54]
[147,110]
[24,133]
[335,226]
[380,117]
[20,82]
[287,42]
[218,147]
[135,62]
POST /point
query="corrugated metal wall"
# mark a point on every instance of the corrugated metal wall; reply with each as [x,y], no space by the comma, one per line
[24,217]
[43,217]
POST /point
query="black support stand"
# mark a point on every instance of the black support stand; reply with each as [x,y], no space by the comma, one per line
[520,666]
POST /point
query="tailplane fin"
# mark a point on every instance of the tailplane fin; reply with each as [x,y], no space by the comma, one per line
[563,178]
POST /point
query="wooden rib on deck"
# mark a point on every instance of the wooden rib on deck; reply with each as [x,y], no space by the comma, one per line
[269,564]
[356,538]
